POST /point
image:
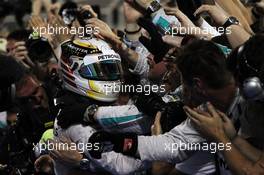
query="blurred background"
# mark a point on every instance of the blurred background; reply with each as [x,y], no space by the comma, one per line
[14,12]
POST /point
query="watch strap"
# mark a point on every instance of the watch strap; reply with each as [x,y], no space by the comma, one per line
[85,163]
[89,113]
[154,6]
[230,21]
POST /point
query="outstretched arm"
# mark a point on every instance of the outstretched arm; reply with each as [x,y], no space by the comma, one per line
[237,34]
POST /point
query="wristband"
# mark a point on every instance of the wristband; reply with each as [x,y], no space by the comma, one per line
[126,143]
[133,32]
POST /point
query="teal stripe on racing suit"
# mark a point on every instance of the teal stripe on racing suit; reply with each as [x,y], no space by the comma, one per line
[125,118]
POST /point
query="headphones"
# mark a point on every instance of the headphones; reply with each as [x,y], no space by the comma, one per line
[252,87]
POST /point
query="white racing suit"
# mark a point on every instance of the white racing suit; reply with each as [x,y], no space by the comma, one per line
[112,162]
[125,118]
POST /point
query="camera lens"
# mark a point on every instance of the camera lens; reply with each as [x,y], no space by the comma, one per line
[39,50]
[86,15]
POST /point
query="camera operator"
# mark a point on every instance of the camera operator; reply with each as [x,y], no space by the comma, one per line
[247,143]
[15,152]
[35,100]
[16,47]
[37,110]
[26,51]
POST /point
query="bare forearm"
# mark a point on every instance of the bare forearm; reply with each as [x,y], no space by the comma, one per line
[248,150]
[47,5]
[237,162]
[247,14]
[36,7]
[237,35]
[231,8]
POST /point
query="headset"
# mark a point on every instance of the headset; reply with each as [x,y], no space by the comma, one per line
[252,86]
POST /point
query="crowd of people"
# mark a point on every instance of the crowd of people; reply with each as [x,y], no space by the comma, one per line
[179,90]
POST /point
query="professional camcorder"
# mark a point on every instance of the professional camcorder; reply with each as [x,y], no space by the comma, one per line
[172,112]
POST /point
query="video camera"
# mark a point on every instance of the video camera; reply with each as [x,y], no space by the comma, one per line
[172,112]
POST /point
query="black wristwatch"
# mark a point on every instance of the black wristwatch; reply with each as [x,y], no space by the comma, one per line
[231,21]
[89,113]
[154,6]
[84,163]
